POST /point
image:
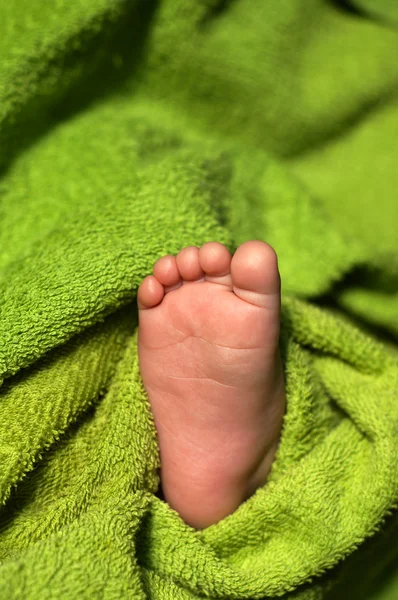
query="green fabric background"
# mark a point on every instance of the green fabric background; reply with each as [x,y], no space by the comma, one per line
[129,129]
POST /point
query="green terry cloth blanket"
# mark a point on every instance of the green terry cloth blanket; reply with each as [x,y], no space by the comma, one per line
[129,129]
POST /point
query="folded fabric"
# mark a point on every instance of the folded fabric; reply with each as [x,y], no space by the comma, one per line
[128,130]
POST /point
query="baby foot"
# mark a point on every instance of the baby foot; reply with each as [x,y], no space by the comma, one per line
[210,363]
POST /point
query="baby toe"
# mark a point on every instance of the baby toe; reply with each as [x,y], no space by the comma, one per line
[150,293]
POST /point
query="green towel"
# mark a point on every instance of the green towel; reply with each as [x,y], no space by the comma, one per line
[128,130]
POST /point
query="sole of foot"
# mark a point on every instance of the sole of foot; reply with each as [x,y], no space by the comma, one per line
[210,363]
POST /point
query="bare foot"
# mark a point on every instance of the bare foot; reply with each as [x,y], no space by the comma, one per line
[209,359]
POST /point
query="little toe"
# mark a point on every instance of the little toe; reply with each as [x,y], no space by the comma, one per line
[255,274]
[150,293]
[215,261]
[188,264]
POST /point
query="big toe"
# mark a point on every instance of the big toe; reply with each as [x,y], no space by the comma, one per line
[255,274]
